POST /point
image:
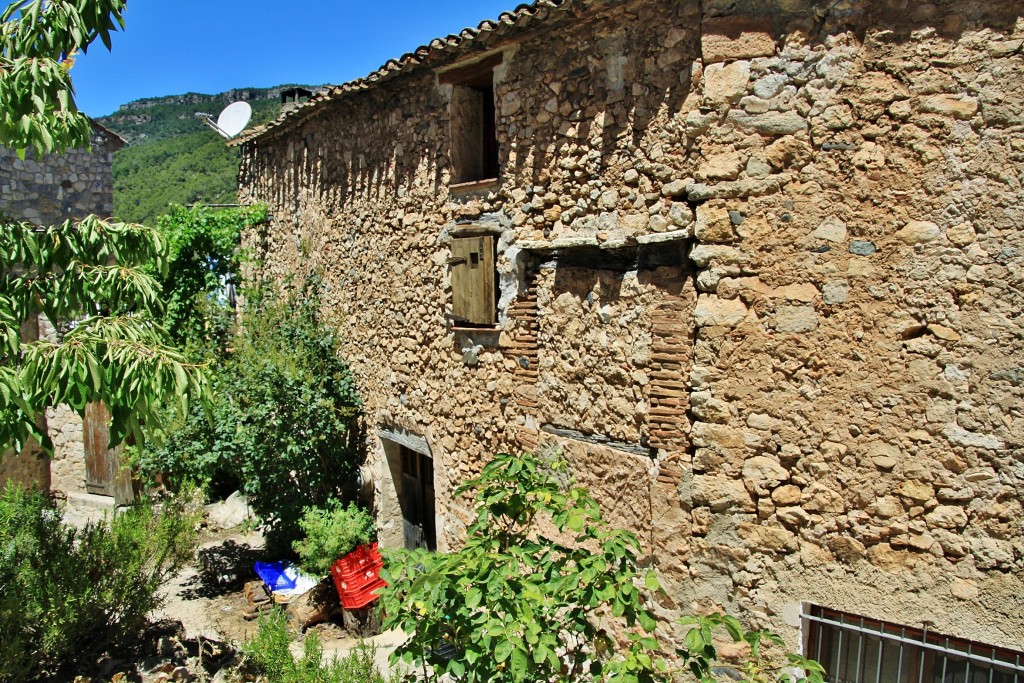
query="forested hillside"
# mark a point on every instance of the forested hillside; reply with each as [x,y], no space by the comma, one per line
[172,157]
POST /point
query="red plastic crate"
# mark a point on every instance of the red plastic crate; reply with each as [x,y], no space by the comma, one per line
[363,597]
[347,584]
[359,558]
[357,575]
[354,576]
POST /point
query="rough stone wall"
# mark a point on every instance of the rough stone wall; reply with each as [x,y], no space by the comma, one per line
[48,191]
[57,187]
[841,358]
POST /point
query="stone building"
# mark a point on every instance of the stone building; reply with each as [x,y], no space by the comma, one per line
[48,191]
[755,267]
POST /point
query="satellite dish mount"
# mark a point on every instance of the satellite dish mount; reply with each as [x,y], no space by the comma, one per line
[231,121]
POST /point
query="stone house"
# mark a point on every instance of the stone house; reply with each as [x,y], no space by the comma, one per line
[47,191]
[756,268]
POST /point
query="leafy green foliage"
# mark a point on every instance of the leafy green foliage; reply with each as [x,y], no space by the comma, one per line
[269,655]
[202,258]
[330,533]
[699,656]
[38,41]
[284,418]
[518,602]
[88,279]
[150,177]
[64,591]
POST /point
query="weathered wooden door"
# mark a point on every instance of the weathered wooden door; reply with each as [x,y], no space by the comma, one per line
[418,500]
[473,293]
[104,474]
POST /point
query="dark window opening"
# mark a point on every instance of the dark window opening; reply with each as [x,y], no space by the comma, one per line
[856,649]
[474,151]
[417,500]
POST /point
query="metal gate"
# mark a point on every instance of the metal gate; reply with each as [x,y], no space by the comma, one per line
[856,649]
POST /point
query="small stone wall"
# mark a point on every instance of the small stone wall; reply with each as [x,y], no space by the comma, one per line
[828,394]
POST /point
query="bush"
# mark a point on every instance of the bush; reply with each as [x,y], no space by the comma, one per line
[283,420]
[268,653]
[64,592]
[331,533]
[518,603]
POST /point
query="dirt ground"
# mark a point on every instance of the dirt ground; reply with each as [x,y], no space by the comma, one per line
[197,633]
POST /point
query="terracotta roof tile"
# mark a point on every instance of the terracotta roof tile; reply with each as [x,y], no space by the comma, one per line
[435,50]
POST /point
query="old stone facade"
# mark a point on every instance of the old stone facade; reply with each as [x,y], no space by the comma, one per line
[48,191]
[758,275]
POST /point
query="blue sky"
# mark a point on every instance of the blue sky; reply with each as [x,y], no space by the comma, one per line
[176,46]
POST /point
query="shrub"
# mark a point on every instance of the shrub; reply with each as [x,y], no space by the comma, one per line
[331,533]
[63,591]
[268,653]
[519,603]
[283,420]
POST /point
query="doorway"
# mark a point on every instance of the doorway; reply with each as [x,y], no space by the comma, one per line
[417,500]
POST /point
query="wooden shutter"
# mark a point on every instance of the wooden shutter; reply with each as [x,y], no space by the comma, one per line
[473,299]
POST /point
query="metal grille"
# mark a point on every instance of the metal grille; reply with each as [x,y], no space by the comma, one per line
[856,649]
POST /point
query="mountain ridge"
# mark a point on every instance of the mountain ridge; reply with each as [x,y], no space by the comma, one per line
[172,158]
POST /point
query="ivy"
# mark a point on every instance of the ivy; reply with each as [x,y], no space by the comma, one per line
[202,260]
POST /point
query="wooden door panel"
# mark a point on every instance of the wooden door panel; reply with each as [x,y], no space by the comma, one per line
[103,472]
[473,280]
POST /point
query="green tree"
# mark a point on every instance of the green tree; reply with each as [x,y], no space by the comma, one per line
[38,43]
[93,279]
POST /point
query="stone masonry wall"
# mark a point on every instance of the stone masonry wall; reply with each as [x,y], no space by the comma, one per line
[48,191]
[824,403]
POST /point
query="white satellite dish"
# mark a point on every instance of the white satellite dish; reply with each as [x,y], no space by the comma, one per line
[231,121]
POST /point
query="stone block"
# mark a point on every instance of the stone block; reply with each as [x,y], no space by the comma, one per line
[724,166]
[714,225]
[961,235]
[720,494]
[918,232]
[956,106]
[835,292]
[831,230]
[711,310]
[772,539]
[960,436]
[795,319]
[947,517]
[761,474]
[787,495]
[725,38]
[768,123]
[788,152]
[726,83]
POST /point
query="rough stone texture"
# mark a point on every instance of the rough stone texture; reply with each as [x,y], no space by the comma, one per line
[846,423]
[48,191]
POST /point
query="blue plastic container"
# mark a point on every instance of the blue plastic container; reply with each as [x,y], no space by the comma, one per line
[273,574]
